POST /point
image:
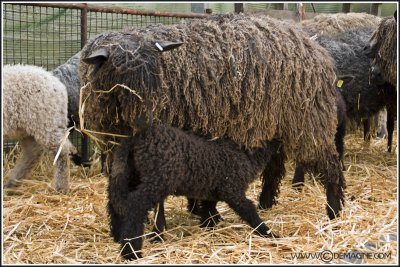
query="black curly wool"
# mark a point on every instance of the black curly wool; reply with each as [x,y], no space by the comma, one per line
[162,161]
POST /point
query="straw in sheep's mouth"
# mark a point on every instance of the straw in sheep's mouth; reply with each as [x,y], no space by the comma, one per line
[90,133]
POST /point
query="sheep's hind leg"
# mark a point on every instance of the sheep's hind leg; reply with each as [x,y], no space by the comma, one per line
[30,156]
[334,182]
[248,212]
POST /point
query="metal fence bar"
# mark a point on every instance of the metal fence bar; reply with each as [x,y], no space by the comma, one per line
[119,10]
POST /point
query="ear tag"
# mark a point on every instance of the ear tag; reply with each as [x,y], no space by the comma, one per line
[159,46]
[339,83]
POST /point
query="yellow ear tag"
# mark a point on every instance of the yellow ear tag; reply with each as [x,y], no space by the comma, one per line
[339,83]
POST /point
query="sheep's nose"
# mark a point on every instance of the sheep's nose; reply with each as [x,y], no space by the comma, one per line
[376,75]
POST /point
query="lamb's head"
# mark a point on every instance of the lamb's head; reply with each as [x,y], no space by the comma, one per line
[121,56]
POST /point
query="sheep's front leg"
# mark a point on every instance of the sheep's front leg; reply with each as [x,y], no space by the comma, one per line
[30,156]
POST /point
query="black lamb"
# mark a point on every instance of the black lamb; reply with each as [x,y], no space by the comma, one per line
[162,160]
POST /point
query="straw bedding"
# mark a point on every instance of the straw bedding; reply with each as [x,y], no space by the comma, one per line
[41,226]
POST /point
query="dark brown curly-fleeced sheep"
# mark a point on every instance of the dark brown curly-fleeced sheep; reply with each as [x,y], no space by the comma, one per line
[383,49]
[234,76]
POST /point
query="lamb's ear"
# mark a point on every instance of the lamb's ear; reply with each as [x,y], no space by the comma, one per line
[97,57]
[165,46]
[344,80]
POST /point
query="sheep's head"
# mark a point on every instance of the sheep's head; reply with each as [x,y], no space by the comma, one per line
[121,70]
[382,49]
[127,51]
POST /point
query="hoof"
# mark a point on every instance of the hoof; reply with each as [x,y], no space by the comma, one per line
[128,254]
[156,239]
[264,206]
[62,189]
[268,235]
[11,184]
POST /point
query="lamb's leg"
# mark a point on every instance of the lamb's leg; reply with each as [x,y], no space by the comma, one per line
[115,222]
[390,127]
[30,156]
[209,214]
[271,178]
[123,177]
[138,203]
[247,211]
[160,223]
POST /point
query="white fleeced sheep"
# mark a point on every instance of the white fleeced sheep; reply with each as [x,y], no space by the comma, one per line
[35,114]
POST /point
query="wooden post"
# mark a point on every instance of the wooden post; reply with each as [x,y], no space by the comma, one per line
[346,7]
[239,8]
[285,6]
[376,9]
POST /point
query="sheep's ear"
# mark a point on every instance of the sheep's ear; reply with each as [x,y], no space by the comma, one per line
[165,46]
[395,15]
[344,80]
[97,57]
